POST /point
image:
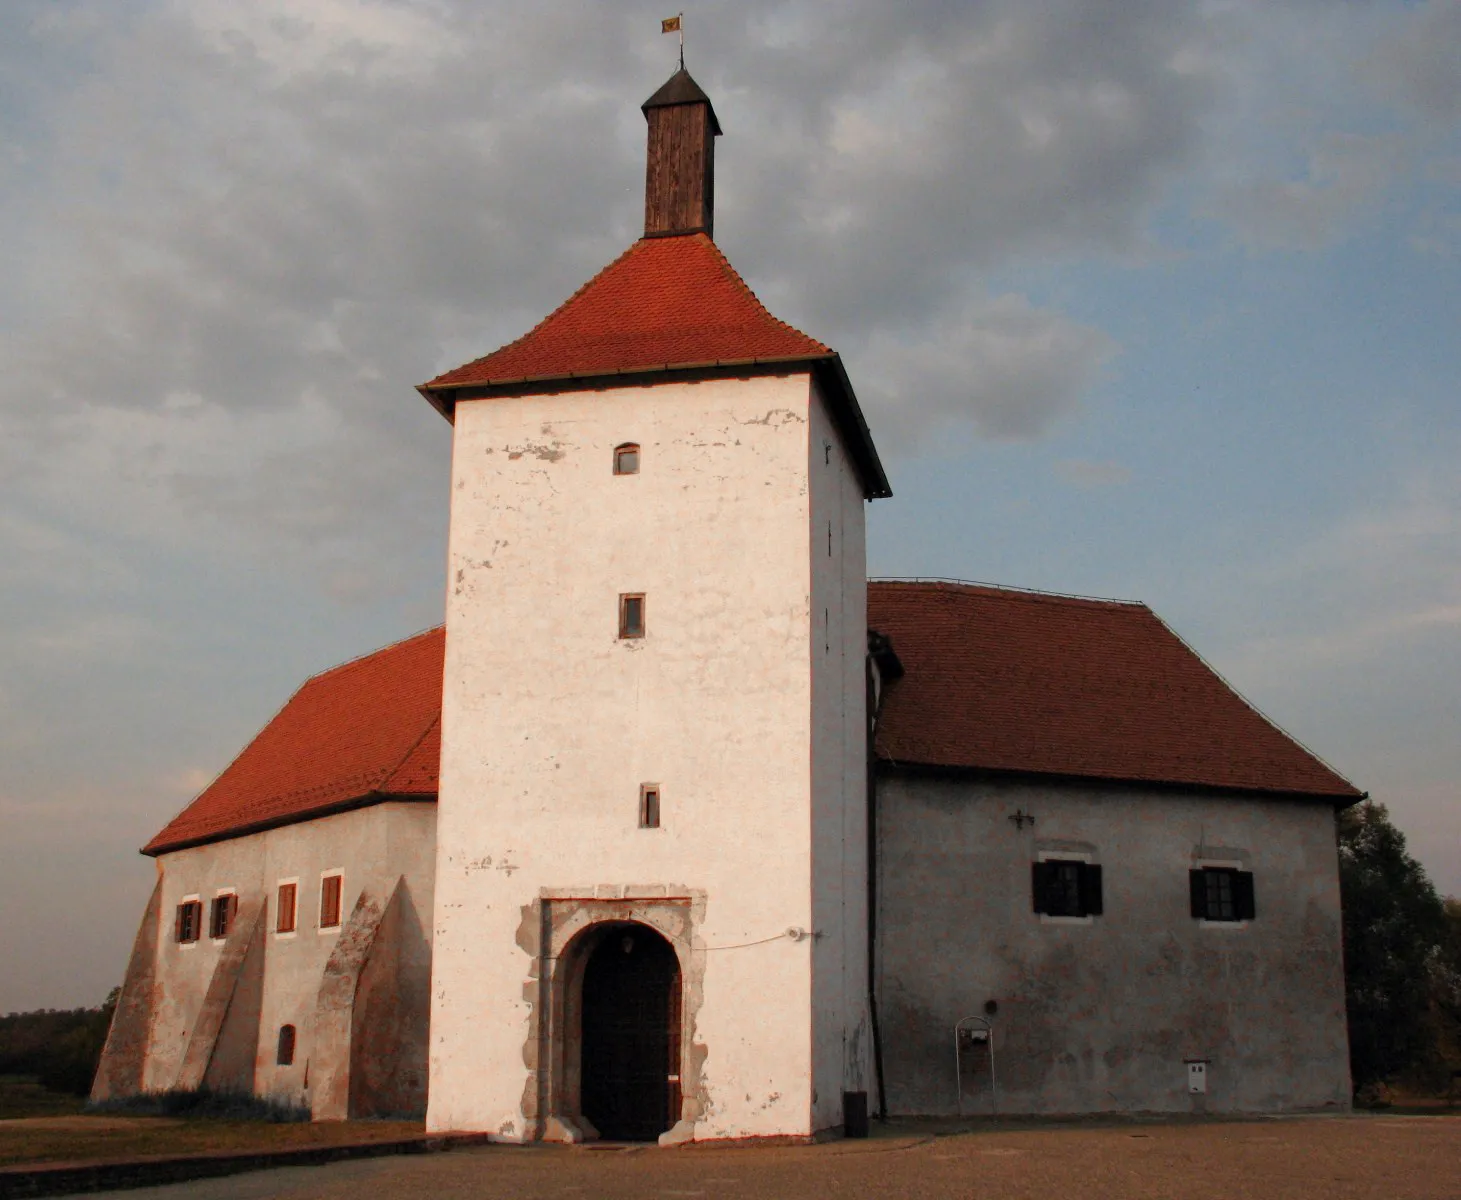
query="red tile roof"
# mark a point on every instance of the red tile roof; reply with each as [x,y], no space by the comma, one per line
[1017,681]
[995,679]
[665,302]
[364,731]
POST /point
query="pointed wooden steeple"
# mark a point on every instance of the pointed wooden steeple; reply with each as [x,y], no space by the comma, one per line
[679,180]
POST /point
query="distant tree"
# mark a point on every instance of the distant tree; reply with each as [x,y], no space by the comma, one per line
[1399,946]
[60,1048]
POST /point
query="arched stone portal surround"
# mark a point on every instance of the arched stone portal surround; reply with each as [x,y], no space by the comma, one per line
[559,932]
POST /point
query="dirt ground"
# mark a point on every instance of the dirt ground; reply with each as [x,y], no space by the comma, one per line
[85,1138]
[1334,1158]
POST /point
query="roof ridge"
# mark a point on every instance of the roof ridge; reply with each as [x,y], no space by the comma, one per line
[1034,595]
[360,658]
[729,268]
[579,291]
[1253,708]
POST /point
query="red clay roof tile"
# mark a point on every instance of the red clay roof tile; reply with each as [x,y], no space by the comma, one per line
[1017,681]
[995,679]
[664,302]
[369,727]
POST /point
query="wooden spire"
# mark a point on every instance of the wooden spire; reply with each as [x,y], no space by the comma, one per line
[679,180]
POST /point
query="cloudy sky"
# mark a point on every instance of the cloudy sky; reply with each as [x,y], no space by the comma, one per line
[1143,298]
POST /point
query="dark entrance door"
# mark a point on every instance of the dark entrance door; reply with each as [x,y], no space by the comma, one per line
[631,1019]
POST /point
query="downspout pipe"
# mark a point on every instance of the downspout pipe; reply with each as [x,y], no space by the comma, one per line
[882,668]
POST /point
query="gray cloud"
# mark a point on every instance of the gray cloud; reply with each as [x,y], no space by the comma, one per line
[1346,175]
[1084,473]
[233,236]
[1000,367]
[1419,65]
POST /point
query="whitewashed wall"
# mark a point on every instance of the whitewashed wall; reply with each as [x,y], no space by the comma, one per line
[842,1050]
[373,846]
[551,723]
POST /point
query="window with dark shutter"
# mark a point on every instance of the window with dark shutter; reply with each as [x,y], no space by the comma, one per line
[1066,888]
[1243,899]
[189,920]
[220,915]
[285,1055]
[1221,894]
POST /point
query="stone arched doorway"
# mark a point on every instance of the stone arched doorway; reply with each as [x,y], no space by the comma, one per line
[628,1022]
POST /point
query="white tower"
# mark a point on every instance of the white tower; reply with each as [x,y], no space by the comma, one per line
[651,886]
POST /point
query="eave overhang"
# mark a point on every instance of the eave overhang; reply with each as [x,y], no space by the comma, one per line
[326,810]
[827,370]
[949,771]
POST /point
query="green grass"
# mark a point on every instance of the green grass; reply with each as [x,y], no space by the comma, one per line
[23,1096]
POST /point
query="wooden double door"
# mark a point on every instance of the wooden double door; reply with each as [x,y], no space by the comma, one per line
[630,1065]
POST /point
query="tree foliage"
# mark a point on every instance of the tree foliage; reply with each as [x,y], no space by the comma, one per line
[60,1047]
[1402,951]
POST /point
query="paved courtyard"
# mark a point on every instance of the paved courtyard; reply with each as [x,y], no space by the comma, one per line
[1379,1157]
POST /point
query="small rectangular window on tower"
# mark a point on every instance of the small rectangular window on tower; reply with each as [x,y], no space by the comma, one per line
[631,615]
[626,459]
[649,806]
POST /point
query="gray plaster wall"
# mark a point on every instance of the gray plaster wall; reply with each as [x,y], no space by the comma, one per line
[1100,1014]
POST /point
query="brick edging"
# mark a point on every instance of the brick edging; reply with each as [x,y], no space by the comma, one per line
[60,1179]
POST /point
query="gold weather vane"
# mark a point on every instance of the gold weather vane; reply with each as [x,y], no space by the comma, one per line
[676,24]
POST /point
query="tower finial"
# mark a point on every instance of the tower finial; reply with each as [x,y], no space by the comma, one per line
[676,24]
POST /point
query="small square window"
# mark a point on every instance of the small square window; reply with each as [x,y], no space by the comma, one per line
[330,889]
[288,905]
[189,920]
[649,806]
[626,459]
[1222,894]
[631,615]
[1066,888]
[220,916]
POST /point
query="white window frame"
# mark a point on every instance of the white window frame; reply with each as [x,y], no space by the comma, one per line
[202,916]
[223,891]
[1081,856]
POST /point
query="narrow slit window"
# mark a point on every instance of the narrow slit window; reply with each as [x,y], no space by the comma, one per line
[189,921]
[626,459]
[220,918]
[330,888]
[285,1055]
[288,904]
[649,806]
[631,615]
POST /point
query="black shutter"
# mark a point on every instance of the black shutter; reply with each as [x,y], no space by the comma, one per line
[177,931]
[1243,908]
[1198,885]
[1090,882]
[1040,884]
